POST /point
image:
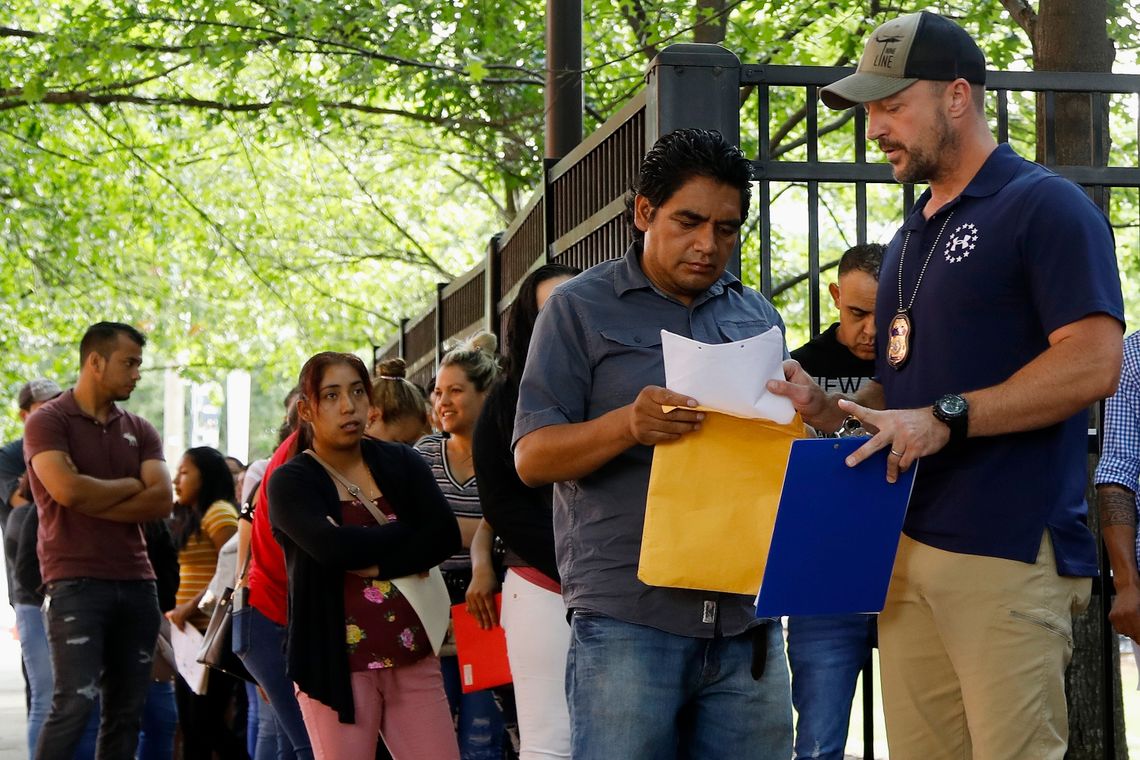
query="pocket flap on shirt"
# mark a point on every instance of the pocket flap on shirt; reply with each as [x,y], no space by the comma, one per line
[634,337]
[743,329]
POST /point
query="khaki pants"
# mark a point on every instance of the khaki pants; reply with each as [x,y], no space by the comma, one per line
[973,652]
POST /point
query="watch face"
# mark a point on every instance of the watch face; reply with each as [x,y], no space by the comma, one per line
[952,405]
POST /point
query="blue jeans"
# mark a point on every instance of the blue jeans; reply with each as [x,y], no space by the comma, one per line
[479,721]
[826,653]
[260,643]
[37,664]
[159,722]
[267,741]
[638,692]
[102,636]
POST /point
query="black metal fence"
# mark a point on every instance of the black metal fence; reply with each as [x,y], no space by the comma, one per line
[575,216]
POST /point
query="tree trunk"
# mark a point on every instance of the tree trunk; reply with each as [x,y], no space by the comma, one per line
[711,21]
[1084,681]
[1072,35]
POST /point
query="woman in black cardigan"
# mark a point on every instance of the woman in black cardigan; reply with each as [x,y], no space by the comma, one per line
[362,523]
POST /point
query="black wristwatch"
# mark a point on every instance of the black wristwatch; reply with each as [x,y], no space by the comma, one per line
[954,410]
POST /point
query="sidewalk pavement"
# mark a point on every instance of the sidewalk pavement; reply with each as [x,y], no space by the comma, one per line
[13,714]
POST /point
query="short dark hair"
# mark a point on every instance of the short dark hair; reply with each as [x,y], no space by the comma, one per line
[866,257]
[682,155]
[102,337]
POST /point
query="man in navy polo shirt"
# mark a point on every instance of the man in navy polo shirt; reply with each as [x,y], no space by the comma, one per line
[999,320]
[97,473]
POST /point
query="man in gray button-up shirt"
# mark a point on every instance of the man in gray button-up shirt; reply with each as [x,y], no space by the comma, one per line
[651,671]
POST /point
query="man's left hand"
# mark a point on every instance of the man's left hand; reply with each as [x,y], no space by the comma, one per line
[909,433]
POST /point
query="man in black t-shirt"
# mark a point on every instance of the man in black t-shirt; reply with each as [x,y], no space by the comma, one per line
[842,358]
[826,652]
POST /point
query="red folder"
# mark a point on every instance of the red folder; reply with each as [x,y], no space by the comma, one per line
[482,654]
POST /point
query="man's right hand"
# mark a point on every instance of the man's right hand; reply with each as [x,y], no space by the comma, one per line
[650,425]
[1125,613]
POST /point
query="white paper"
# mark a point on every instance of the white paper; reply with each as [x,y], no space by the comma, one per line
[729,377]
[186,641]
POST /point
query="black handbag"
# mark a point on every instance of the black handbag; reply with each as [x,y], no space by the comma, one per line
[217,649]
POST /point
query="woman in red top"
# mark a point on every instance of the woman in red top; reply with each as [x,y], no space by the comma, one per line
[259,636]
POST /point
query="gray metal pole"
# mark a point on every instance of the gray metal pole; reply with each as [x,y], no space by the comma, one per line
[564,104]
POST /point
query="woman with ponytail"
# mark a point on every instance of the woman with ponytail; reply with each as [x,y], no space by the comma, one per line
[399,410]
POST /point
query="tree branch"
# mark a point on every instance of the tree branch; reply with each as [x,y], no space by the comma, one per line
[13,98]
[776,150]
[216,226]
[1022,13]
[7,31]
[421,252]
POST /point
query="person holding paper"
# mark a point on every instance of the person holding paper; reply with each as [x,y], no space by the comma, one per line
[1001,290]
[826,652]
[652,671]
[205,518]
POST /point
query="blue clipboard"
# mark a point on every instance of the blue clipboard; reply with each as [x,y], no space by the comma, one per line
[836,533]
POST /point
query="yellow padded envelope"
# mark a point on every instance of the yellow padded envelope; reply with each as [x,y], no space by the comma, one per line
[712,503]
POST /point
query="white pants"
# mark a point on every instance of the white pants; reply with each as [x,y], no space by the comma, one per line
[538,638]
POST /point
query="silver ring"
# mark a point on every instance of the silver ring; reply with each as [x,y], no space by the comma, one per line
[896,453]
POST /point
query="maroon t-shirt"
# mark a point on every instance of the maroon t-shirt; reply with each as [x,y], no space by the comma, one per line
[71,544]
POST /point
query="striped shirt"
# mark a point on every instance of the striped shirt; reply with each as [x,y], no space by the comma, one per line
[463,497]
[199,559]
[1120,460]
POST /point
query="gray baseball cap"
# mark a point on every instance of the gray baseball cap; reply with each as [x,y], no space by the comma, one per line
[903,51]
[35,391]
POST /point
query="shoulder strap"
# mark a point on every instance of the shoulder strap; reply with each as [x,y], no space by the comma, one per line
[352,488]
[244,567]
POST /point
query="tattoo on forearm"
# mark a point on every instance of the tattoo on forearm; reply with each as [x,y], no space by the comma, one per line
[1117,506]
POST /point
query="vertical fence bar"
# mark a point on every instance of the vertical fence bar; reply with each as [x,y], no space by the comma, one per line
[439,336]
[551,199]
[1050,126]
[763,140]
[812,93]
[860,187]
[492,288]
[1003,116]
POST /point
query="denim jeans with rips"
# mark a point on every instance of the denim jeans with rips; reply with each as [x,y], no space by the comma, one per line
[102,636]
[37,665]
[479,723]
[636,691]
[826,654]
